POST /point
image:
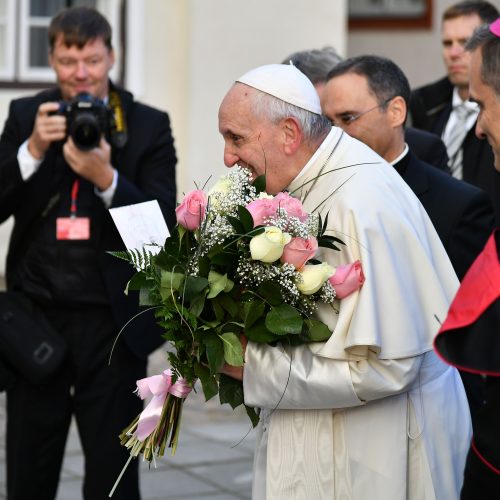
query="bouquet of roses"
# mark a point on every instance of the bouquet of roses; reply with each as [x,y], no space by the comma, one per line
[239,261]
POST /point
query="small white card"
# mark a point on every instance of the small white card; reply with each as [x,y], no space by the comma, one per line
[141,225]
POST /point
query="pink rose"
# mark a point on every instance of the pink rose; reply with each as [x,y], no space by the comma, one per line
[261,209]
[292,206]
[299,251]
[347,279]
[191,211]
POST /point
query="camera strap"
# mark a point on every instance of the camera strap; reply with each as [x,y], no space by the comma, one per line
[119,131]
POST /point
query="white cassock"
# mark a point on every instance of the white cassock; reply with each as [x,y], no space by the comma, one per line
[371,414]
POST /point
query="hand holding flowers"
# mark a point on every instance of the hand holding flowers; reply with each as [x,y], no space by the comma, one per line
[238,262]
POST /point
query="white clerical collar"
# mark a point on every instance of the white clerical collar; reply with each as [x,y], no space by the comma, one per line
[401,156]
[318,152]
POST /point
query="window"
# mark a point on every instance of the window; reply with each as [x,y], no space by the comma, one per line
[383,14]
[23,35]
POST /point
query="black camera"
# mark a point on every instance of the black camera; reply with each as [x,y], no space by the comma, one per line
[87,119]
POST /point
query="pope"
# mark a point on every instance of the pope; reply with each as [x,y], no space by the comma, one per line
[372,413]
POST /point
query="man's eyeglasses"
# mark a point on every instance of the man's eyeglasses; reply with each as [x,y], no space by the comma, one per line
[348,118]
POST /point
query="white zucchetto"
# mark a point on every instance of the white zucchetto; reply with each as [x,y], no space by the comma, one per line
[285,82]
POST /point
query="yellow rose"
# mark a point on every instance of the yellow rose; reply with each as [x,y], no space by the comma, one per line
[313,277]
[268,246]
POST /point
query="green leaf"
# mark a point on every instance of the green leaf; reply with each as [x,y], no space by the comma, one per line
[252,415]
[253,311]
[271,292]
[230,391]
[171,281]
[204,266]
[208,381]
[258,332]
[215,352]
[181,231]
[317,331]
[233,350]
[237,225]
[327,241]
[145,298]
[218,283]
[230,305]
[215,250]
[218,309]
[246,219]
[260,184]
[283,320]
[197,305]
[194,286]
[137,281]
[227,260]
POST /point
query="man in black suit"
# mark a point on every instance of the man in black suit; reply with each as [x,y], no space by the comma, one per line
[437,107]
[367,96]
[59,192]
[317,63]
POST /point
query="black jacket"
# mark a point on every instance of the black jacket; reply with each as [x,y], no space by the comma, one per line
[146,166]
[427,147]
[461,214]
[430,108]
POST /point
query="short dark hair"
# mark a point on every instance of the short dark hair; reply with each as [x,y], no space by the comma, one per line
[315,63]
[489,45]
[385,79]
[484,10]
[79,25]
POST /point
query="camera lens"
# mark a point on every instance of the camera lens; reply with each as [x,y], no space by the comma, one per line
[85,131]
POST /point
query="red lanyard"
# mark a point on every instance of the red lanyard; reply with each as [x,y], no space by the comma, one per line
[74,196]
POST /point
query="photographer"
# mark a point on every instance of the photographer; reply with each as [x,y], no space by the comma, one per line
[59,189]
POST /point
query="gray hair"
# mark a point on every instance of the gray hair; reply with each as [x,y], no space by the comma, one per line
[315,63]
[489,45]
[313,126]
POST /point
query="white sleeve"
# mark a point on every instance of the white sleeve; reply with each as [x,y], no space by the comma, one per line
[296,378]
[28,164]
[107,195]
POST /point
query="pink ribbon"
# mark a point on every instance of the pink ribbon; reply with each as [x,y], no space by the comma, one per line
[158,386]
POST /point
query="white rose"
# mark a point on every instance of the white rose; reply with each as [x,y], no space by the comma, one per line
[222,186]
[220,189]
[313,277]
[268,246]
[264,196]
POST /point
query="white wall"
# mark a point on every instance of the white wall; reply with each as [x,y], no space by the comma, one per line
[229,37]
[417,52]
[203,46]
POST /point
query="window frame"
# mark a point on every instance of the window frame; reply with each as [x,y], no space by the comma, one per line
[17,71]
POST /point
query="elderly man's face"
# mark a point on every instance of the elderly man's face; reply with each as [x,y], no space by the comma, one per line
[252,141]
[349,104]
[488,124]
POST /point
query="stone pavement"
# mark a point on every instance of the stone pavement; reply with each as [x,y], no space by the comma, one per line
[213,460]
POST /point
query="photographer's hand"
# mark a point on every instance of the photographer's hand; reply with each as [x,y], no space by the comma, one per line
[48,128]
[93,165]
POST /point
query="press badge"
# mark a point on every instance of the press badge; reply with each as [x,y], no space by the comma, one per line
[73,227]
